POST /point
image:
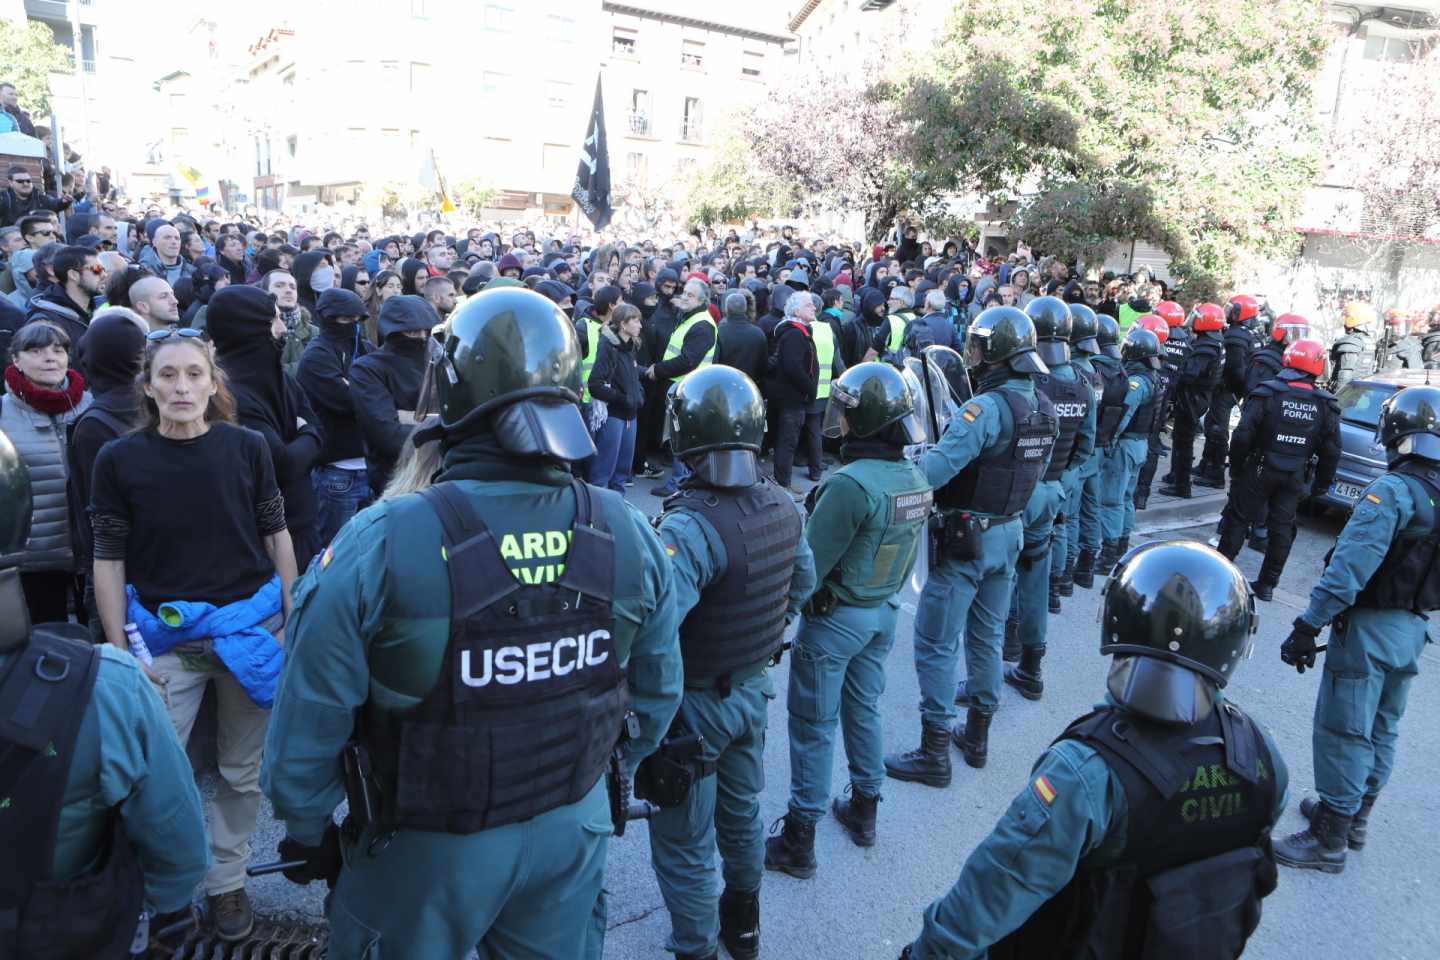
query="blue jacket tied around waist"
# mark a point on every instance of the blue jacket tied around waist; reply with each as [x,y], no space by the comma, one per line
[247,649]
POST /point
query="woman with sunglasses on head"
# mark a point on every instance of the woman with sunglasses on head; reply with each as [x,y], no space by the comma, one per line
[357,280]
[42,397]
[383,286]
[191,552]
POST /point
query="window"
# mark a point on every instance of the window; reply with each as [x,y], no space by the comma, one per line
[419,77]
[557,94]
[494,84]
[355,139]
[692,124]
[178,133]
[292,142]
[417,8]
[692,54]
[685,166]
[635,168]
[752,64]
[624,41]
[499,18]
[389,74]
[640,112]
[1392,49]
[259,159]
[414,140]
[560,28]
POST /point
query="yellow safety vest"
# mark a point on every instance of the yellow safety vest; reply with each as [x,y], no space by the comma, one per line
[824,355]
[593,335]
[677,340]
[898,323]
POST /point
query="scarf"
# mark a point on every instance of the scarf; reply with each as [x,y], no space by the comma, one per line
[42,399]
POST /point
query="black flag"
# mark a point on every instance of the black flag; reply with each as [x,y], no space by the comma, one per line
[592,179]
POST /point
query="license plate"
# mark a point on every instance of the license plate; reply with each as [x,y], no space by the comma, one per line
[1346,491]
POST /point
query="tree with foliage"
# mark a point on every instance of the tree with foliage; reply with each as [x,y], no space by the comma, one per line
[731,187]
[1185,125]
[31,55]
[473,195]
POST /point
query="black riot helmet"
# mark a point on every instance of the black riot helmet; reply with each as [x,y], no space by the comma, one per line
[1084,326]
[1178,618]
[717,422]
[510,365]
[1142,346]
[16,505]
[1108,335]
[1051,317]
[1410,424]
[1003,336]
[870,397]
[952,367]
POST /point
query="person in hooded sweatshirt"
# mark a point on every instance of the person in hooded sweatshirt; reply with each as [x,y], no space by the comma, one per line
[658,328]
[742,344]
[385,383]
[111,350]
[248,334]
[340,482]
[779,296]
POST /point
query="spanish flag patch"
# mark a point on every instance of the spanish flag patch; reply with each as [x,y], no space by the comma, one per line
[1373,499]
[1044,790]
[970,411]
[326,557]
[669,550]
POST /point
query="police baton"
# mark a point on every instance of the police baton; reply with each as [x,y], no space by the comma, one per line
[275,866]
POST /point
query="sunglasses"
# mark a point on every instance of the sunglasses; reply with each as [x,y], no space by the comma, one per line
[96,269]
[189,333]
[18,180]
[362,283]
[42,233]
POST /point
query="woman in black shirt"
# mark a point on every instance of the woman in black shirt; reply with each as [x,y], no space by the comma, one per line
[186,511]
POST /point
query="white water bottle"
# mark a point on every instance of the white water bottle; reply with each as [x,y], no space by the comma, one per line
[137,645]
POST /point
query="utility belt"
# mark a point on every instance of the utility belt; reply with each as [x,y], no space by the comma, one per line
[665,777]
[955,534]
[726,682]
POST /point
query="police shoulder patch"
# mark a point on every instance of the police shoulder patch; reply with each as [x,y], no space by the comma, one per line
[1044,789]
[971,411]
[1373,498]
[326,557]
[1134,384]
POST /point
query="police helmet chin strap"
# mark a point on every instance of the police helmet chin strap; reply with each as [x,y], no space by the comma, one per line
[14,613]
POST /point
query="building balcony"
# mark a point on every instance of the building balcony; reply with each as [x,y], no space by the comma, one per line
[639,124]
[692,133]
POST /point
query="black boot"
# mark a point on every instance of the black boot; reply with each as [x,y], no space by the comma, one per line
[740,923]
[962,695]
[1026,676]
[1108,556]
[793,851]
[1320,846]
[1358,823]
[1212,475]
[973,737]
[1067,579]
[928,764]
[1122,547]
[1181,491]
[1010,649]
[1263,591]
[857,816]
[1142,499]
[1085,569]
[1054,594]
[1259,541]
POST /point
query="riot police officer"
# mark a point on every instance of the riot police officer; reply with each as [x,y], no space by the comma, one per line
[866,529]
[1285,424]
[1140,497]
[1351,354]
[1381,580]
[484,636]
[1398,349]
[984,469]
[1095,342]
[1241,314]
[742,570]
[1430,340]
[1198,380]
[1139,414]
[1177,345]
[1267,362]
[1158,800]
[102,818]
[1074,405]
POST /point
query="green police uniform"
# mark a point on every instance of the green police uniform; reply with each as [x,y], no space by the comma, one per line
[1123,458]
[723,807]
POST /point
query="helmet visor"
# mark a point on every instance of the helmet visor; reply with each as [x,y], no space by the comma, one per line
[1028,362]
[841,403]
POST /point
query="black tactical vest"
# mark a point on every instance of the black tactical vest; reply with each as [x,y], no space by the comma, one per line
[1205,364]
[740,619]
[1430,350]
[1146,416]
[1177,348]
[1001,483]
[1114,385]
[1071,399]
[1296,420]
[1196,862]
[1409,577]
[531,695]
[43,696]
[1240,343]
[1265,364]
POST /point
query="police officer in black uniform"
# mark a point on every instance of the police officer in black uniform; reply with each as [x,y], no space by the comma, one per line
[1198,380]
[1175,350]
[742,571]
[1430,341]
[1240,315]
[1352,354]
[1285,424]
[1160,800]
[101,818]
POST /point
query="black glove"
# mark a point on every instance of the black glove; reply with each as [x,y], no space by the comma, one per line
[1299,648]
[321,862]
[905,954]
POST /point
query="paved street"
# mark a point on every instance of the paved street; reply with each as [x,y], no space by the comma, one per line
[867,904]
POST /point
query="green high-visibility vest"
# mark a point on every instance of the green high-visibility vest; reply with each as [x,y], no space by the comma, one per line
[677,340]
[1127,317]
[592,350]
[825,356]
[898,323]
